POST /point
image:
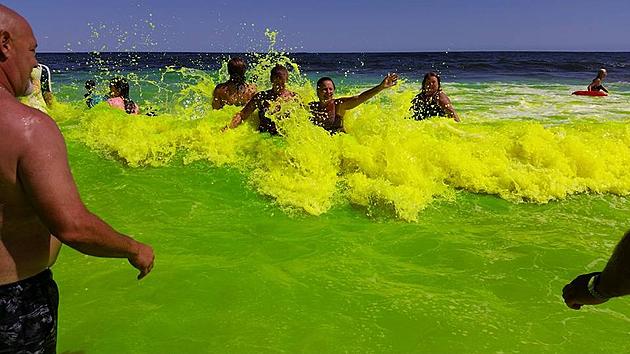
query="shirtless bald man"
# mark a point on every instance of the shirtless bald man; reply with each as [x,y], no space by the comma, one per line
[39,205]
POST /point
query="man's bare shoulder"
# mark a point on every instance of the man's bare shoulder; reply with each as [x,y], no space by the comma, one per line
[23,124]
[221,88]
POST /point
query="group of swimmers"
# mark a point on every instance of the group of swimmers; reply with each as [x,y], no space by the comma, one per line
[328,111]
[40,206]
[118,95]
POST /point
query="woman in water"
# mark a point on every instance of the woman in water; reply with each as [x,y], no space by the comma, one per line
[328,112]
[262,102]
[235,91]
[596,84]
[432,101]
[119,96]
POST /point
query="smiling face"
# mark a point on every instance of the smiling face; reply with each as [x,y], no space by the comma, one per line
[325,91]
[279,80]
[431,85]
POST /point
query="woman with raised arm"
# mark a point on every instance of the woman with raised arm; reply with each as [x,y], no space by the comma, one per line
[328,112]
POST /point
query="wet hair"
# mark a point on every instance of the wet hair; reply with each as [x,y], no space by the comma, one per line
[122,86]
[601,71]
[429,75]
[277,70]
[90,84]
[320,82]
[237,68]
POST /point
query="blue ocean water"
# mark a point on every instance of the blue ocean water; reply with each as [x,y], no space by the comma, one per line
[564,67]
[400,236]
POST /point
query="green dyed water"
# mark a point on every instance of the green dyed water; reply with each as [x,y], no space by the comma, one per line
[400,236]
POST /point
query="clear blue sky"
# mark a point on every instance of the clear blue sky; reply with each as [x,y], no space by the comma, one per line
[329,26]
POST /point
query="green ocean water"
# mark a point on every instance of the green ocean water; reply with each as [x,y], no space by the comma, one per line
[399,236]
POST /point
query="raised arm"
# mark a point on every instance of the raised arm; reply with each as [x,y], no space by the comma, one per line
[447,106]
[348,103]
[614,281]
[239,117]
[45,176]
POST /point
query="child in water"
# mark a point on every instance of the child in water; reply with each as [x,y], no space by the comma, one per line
[91,98]
[119,96]
[596,85]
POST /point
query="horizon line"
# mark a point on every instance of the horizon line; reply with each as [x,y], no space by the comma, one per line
[350,52]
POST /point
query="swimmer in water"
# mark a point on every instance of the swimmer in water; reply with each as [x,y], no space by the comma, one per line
[235,91]
[328,112]
[432,101]
[91,97]
[40,206]
[41,96]
[262,102]
[119,96]
[596,85]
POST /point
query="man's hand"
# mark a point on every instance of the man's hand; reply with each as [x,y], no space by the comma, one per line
[143,259]
[576,293]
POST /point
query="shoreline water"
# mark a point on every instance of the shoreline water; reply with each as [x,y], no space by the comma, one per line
[244,268]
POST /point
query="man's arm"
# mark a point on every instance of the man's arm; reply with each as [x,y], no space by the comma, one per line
[348,103]
[239,117]
[447,106]
[614,281]
[47,181]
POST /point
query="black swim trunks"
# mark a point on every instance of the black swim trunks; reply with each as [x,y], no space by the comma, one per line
[28,315]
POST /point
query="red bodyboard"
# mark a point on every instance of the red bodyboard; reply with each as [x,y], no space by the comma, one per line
[590,93]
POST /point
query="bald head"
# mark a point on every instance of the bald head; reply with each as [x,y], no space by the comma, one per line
[17,52]
[12,25]
[11,21]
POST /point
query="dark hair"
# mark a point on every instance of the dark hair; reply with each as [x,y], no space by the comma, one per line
[122,86]
[277,70]
[90,84]
[237,68]
[429,75]
[325,78]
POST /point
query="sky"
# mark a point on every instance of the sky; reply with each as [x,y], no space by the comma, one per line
[328,26]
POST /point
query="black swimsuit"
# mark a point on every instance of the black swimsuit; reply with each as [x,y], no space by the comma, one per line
[28,315]
[320,117]
[424,107]
[265,125]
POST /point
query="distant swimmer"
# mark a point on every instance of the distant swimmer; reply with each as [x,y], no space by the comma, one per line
[598,287]
[328,112]
[432,101]
[596,85]
[262,102]
[41,95]
[91,97]
[235,91]
[119,96]
[40,206]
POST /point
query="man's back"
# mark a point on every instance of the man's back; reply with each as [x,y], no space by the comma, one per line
[24,240]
